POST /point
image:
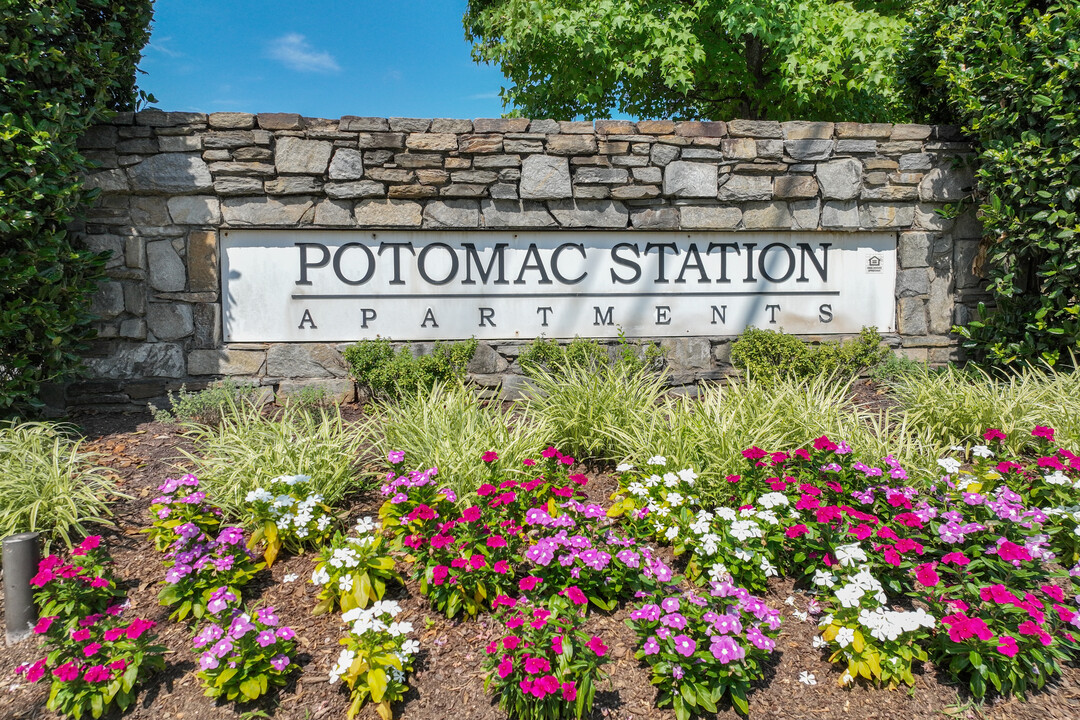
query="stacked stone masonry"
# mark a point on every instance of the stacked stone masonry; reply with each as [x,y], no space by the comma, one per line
[170,181]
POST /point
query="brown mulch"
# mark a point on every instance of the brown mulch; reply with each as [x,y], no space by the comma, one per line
[448,681]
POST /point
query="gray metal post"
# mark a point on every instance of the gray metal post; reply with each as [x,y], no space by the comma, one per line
[22,553]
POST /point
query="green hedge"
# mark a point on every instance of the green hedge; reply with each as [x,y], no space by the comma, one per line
[64,65]
[1009,72]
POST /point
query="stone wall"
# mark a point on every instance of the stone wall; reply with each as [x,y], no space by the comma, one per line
[170,181]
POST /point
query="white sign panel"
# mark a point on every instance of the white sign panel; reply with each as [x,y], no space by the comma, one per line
[333,286]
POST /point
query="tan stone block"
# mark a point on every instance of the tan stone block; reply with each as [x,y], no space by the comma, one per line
[202,261]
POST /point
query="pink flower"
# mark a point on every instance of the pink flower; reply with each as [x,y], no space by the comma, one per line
[796,530]
[994,434]
[99,583]
[80,635]
[96,673]
[471,514]
[684,645]
[1011,552]
[926,575]
[753,453]
[549,452]
[43,624]
[1007,643]
[529,582]
[490,456]
[956,558]
[137,627]
[578,479]
[574,595]
[891,556]
[91,649]
[438,574]
[477,561]
[36,671]
[1053,591]
[485,489]
[535,665]
[66,672]
[42,578]
[510,642]
[92,541]
[556,645]
[1041,431]
[502,567]
[824,443]
[496,541]
[597,646]
[569,692]
[506,666]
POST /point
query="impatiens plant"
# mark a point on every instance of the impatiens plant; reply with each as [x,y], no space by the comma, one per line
[243,654]
[285,514]
[702,648]
[94,656]
[353,571]
[544,666]
[377,657]
[198,564]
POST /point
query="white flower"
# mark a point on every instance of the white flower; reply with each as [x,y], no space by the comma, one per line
[957,448]
[289,577]
[710,543]
[742,530]
[849,595]
[345,583]
[386,607]
[365,525]
[790,600]
[320,576]
[807,678]
[402,628]
[982,451]
[410,647]
[671,533]
[845,636]
[773,499]
[950,465]
[725,513]
[671,480]
[849,555]
[624,467]
[652,481]
[743,554]
[638,489]
[345,659]
[323,523]
[823,578]
[825,620]
[768,516]
[259,495]
[674,499]
[718,572]
[688,476]
[800,615]
[699,526]
[1058,478]
[291,480]
[819,642]
[846,678]
[657,460]
[768,568]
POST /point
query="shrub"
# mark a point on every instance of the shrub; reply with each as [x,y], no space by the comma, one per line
[385,373]
[353,571]
[1006,72]
[955,405]
[549,357]
[204,406]
[246,450]
[583,408]
[448,429]
[65,64]
[49,483]
[767,355]
[287,513]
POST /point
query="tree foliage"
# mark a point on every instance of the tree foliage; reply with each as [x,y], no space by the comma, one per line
[64,65]
[1009,72]
[775,59]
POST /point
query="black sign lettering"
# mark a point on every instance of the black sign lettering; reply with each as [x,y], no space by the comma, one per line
[366,315]
[603,318]
[663,315]
[421,263]
[772,313]
[429,316]
[497,255]
[661,247]
[763,262]
[545,311]
[370,264]
[555,263]
[625,262]
[487,316]
[396,247]
[719,312]
[724,247]
[825,313]
[693,254]
[307,320]
[822,267]
[533,261]
[305,263]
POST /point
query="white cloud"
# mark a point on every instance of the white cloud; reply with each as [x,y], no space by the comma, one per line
[294,52]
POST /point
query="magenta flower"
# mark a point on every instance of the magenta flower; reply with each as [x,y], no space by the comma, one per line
[280,661]
[66,672]
[725,649]
[265,638]
[684,645]
[208,661]
[285,633]
[395,456]
[96,674]
[597,646]
[651,647]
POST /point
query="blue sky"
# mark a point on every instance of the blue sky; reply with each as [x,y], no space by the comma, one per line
[405,58]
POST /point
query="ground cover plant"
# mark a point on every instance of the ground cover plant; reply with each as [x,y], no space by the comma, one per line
[50,483]
[768,355]
[386,373]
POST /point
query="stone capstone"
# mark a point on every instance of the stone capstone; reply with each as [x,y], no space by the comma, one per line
[589,213]
[296,210]
[388,213]
[195,210]
[452,214]
[348,164]
[139,361]
[515,213]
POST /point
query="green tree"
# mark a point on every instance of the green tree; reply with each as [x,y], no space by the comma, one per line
[64,65]
[1008,71]
[718,59]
